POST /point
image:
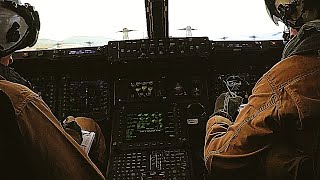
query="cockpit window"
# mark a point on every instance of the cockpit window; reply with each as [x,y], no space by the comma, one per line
[222,20]
[71,23]
[74,23]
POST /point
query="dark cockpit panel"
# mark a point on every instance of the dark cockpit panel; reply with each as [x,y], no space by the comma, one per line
[151,97]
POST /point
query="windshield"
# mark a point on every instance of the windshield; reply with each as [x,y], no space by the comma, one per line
[67,24]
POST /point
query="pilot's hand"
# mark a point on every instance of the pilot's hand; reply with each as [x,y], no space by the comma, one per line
[227,105]
[73,129]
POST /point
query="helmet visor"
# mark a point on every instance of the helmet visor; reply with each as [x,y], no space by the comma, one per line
[272,11]
[13,28]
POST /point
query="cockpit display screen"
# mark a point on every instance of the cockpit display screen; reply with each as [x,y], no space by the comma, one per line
[145,126]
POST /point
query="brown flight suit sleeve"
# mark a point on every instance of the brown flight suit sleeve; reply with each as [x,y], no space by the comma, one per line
[54,153]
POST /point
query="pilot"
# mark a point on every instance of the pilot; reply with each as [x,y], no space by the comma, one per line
[51,152]
[75,125]
[276,135]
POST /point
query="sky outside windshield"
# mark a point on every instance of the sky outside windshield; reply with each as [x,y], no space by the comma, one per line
[96,22]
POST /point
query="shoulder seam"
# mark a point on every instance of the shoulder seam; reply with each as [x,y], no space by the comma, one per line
[24,103]
[297,78]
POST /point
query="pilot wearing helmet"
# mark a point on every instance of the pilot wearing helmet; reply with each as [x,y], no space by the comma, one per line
[49,151]
[277,134]
[19,26]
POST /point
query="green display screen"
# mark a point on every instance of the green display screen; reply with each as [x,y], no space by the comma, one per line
[144,126]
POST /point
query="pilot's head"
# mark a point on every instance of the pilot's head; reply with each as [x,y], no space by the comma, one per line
[293,13]
[19,26]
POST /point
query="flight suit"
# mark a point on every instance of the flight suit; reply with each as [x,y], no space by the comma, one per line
[53,153]
[275,136]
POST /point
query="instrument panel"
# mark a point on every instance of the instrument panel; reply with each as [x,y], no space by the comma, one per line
[152,98]
[85,97]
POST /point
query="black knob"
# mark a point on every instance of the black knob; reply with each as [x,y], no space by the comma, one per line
[195,110]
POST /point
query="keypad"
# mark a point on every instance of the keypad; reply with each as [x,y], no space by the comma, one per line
[161,164]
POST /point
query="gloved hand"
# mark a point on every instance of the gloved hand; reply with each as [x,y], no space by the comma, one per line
[73,129]
[227,105]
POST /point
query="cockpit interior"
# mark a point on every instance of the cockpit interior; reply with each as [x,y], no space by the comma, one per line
[151,96]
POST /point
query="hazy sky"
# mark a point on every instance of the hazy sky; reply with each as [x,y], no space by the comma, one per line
[61,19]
